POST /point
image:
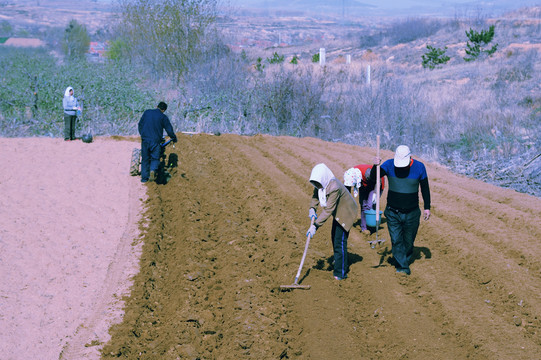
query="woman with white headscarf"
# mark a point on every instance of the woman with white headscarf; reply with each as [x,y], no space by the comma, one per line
[336,201]
[70,106]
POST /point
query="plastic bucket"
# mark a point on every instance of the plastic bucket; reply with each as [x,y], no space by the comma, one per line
[371,217]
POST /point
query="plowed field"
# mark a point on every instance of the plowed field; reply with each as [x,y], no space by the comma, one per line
[229,229]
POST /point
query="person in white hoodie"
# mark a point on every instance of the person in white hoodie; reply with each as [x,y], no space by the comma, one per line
[70,106]
[337,201]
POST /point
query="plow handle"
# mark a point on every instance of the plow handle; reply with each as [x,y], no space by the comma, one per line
[166,143]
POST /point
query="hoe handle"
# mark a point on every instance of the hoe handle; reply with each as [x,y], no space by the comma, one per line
[377,187]
[303,256]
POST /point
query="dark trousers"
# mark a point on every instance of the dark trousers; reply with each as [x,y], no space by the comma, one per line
[69,126]
[403,230]
[340,246]
[150,159]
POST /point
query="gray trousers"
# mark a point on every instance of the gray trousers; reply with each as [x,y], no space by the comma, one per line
[69,126]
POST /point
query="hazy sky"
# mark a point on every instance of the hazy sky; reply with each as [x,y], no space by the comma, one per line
[407,7]
[368,7]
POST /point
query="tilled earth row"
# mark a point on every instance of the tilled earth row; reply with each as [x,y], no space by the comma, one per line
[228,230]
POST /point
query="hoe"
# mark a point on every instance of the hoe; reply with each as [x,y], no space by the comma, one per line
[296,284]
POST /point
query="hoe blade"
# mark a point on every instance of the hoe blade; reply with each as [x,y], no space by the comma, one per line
[294,286]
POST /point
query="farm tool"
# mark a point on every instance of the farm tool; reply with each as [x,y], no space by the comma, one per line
[163,175]
[378,189]
[296,284]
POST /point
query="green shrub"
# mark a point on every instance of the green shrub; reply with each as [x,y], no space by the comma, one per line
[5,28]
[315,58]
[76,40]
[118,49]
[434,57]
[276,59]
[259,66]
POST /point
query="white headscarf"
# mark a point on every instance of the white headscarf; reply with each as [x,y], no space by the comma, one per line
[67,92]
[323,175]
[353,177]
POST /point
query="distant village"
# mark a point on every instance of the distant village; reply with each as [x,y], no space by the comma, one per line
[97,49]
[241,34]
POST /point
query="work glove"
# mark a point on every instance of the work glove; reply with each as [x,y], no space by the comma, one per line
[372,198]
[311,231]
[312,213]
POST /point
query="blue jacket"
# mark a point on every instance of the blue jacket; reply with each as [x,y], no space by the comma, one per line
[152,124]
[404,185]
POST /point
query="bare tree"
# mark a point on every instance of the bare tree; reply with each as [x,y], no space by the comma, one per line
[168,35]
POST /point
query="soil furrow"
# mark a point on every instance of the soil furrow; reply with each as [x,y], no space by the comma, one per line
[229,227]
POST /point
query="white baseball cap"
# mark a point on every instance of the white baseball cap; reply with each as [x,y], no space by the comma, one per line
[402,156]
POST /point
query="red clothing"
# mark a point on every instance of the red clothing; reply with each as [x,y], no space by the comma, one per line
[364,183]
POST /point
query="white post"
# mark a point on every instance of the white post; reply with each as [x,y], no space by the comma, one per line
[348,59]
[368,75]
[377,185]
[322,56]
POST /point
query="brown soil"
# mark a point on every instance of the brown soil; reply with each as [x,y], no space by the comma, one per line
[229,229]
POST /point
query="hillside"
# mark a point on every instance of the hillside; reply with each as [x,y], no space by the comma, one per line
[469,116]
[229,227]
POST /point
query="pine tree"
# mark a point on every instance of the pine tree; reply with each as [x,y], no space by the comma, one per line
[434,57]
[474,47]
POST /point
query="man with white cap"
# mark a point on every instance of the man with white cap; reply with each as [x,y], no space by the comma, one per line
[405,176]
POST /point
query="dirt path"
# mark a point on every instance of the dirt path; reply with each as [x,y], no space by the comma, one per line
[68,219]
[229,229]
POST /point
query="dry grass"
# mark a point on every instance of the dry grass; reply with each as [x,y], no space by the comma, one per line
[487,110]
